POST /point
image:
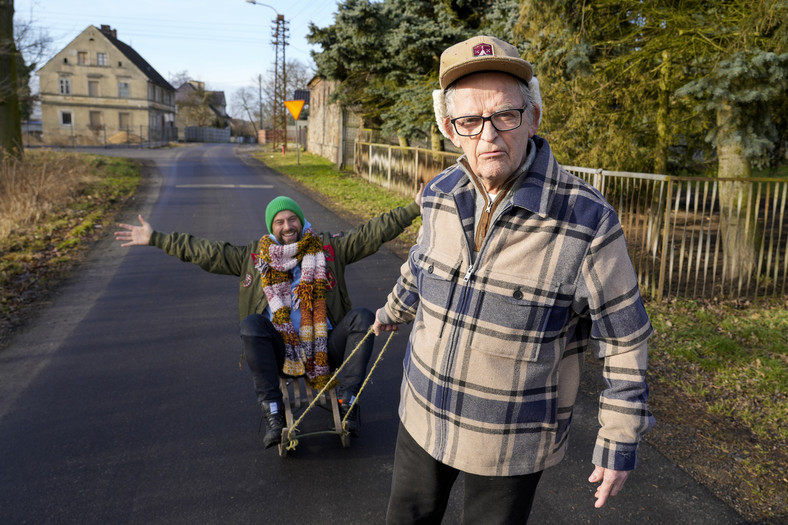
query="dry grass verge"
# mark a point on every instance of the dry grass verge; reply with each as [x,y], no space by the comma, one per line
[52,205]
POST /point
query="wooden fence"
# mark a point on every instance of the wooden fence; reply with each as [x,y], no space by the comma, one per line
[687,236]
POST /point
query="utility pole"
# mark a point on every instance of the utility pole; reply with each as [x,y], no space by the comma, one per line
[280,78]
[280,81]
[260,99]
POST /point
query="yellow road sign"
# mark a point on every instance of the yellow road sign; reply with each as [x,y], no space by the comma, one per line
[294,107]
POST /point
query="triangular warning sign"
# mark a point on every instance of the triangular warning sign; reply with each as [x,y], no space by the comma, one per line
[295,107]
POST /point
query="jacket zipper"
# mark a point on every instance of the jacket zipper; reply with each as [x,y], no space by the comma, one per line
[451,348]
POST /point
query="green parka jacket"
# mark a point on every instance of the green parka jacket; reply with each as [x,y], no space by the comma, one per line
[340,249]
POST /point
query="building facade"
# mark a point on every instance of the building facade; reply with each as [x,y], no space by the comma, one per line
[99,90]
[332,131]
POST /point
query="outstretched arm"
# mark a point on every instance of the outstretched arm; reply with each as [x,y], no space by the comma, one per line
[135,235]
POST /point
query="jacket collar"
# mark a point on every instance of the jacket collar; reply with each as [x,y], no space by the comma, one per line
[536,191]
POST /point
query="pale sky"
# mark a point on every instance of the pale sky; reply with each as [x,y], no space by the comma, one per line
[224,43]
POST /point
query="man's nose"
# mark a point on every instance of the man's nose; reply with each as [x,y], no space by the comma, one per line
[488,132]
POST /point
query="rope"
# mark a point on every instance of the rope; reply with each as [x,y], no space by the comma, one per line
[292,443]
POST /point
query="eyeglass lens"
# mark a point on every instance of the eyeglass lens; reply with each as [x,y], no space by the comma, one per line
[506,120]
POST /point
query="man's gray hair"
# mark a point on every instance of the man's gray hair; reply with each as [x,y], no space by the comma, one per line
[443,102]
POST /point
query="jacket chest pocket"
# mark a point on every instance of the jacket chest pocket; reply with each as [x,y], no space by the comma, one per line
[437,282]
[512,317]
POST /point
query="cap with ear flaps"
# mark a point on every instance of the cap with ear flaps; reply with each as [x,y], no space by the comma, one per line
[482,53]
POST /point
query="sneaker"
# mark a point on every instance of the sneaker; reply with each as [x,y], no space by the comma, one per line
[352,421]
[274,423]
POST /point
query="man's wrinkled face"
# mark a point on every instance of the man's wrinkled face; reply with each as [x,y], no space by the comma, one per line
[286,227]
[492,155]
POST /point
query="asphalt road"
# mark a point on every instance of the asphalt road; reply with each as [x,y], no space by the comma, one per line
[122,400]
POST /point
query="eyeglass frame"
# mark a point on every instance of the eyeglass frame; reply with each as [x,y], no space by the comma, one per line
[488,119]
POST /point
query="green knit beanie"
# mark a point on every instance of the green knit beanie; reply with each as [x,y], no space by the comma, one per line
[282,203]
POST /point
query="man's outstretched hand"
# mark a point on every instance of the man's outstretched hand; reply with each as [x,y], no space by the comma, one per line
[419,194]
[134,235]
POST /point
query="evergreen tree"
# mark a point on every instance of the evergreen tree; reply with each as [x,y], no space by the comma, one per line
[386,56]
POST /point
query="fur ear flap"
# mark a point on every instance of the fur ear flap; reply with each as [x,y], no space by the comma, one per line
[533,85]
[439,106]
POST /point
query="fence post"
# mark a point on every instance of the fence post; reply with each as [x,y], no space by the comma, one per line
[388,182]
[416,171]
[665,231]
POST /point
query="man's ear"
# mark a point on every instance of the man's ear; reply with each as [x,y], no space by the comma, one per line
[537,117]
[449,127]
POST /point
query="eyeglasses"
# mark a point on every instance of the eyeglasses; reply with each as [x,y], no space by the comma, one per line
[472,125]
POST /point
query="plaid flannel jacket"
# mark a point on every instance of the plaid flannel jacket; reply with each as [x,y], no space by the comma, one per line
[495,353]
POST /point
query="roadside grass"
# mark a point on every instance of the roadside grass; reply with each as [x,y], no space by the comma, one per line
[718,370]
[730,355]
[52,204]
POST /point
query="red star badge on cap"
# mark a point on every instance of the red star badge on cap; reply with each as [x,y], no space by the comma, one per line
[480,50]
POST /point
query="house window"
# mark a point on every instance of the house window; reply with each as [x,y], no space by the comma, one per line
[101,59]
[124,121]
[82,58]
[123,90]
[65,118]
[95,120]
[93,88]
[65,86]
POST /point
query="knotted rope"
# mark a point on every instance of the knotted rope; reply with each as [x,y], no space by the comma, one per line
[293,443]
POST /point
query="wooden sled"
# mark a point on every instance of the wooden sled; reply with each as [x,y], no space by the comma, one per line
[297,397]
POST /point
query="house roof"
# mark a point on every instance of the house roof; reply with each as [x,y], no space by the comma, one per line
[135,58]
[215,99]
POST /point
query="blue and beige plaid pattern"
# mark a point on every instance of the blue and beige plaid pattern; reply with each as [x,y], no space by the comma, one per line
[494,359]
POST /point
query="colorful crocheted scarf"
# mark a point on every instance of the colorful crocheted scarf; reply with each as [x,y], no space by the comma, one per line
[306,350]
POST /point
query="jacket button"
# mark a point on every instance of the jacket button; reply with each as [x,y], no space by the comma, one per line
[430,269]
[517,294]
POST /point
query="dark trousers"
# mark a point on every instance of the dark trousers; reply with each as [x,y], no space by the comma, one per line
[421,486]
[265,352]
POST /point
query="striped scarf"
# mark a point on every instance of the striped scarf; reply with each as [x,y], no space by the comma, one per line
[306,350]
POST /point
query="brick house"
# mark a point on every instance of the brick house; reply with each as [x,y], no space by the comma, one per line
[99,90]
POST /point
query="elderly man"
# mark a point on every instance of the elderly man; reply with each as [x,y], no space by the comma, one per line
[519,268]
[295,310]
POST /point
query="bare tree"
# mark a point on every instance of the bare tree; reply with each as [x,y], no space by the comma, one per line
[33,44]
[244,101]
[179,78]
[10,115]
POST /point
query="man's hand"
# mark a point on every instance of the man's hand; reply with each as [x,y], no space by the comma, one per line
[134,235]
[419,193]
[379,327]
[612,483]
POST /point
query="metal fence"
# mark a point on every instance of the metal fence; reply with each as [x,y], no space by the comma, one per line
[687,236]
[700,237]
[400,168]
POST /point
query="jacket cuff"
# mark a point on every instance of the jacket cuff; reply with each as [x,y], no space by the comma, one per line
[615,456]
[414,209]
[156,239]
[384,317]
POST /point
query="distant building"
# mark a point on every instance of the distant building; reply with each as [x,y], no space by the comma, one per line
[200,107]
[100,90]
